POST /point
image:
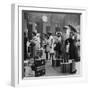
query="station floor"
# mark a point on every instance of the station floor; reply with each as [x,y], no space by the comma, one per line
[56,71]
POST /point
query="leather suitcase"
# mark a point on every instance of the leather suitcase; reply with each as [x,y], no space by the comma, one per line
[57,63]
[65,67]
[40,73]
[39,62]
[68,67]
[39,67]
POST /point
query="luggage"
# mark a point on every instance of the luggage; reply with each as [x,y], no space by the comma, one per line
[39,62]
[68,67]
[57,63]
[40,73]
[65,67]
[39,67]
[38,53]
[40,70]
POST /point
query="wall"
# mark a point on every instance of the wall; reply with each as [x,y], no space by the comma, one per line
[53,19]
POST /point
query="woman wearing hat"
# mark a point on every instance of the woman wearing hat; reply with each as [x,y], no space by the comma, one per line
[70,48]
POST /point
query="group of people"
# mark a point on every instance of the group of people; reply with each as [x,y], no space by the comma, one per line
[62,45]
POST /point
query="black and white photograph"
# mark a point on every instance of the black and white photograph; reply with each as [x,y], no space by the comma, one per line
[51,43]
[45,44]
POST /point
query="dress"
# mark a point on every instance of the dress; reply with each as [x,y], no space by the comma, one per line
[51,44]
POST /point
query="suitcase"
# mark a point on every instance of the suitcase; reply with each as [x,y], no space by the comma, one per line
[38,53]
[65,67]
[39,62]
[68,67]
[40,70]
[57,62]
[40,73]
[39,67]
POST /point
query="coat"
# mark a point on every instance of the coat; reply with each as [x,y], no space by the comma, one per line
[72,48]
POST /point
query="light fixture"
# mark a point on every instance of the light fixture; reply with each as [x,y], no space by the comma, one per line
[44,18]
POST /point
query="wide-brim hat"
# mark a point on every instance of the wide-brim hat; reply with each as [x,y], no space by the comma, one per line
[71,27]
[66,27]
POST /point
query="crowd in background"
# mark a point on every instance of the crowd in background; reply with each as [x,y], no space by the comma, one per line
[61,45]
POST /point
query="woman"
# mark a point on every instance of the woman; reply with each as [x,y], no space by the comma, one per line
[52,52]
[58,47]
[70,54]
[47,48]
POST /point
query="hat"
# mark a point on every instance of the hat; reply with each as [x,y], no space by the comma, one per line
[66,27]
[72,28]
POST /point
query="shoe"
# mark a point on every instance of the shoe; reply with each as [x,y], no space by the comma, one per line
[73,72]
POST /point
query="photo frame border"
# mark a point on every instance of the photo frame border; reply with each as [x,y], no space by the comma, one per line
[16,46]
